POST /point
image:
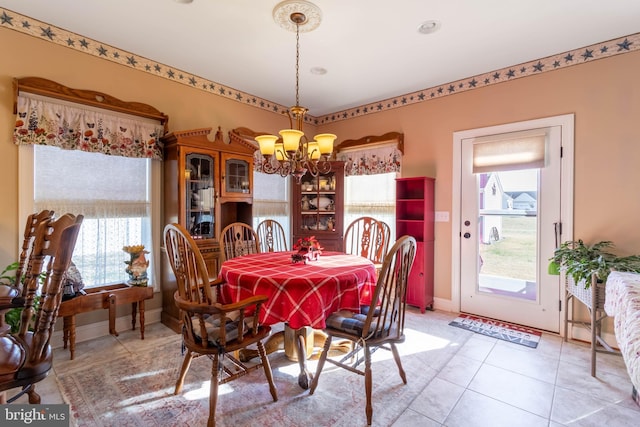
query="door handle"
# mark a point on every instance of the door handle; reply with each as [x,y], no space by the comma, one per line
[557,231]
[466,235]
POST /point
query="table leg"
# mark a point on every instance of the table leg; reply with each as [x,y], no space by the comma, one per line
[274,343]
[69,325]
[112,315]
[141,307]
[305,376]
[65,331]
[134,309]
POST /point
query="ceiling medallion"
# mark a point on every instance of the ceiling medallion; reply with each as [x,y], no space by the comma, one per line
[283,11]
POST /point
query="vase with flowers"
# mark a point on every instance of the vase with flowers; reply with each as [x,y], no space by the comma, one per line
[137,265]
[308,249]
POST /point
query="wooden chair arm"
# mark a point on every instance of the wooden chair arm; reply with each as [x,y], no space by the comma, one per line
[216,308]
[247,302]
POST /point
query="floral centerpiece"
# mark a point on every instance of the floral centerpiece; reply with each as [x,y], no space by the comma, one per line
[137,265]
[308,248]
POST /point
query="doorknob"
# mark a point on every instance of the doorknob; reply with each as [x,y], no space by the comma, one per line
[467,235]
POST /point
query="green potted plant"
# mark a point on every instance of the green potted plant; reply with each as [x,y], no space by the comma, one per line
[12,316]
[580,261]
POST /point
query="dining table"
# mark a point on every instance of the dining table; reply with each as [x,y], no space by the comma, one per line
[301,294]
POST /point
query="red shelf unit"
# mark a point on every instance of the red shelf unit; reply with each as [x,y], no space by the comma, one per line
[415,216]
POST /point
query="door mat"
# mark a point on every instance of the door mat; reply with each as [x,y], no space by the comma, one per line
[498,329]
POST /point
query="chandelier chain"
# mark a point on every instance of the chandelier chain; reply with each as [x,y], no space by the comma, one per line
[297,63]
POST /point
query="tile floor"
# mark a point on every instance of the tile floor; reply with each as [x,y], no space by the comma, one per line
[476,380]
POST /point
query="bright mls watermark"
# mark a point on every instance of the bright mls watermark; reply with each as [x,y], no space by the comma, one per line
[56,415]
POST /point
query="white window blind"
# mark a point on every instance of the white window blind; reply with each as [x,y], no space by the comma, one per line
[371,195]
[271,200]
[114,195]
[512,151]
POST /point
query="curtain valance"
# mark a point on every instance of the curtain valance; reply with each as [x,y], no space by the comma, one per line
[372,154]
[48,113]
[47,122]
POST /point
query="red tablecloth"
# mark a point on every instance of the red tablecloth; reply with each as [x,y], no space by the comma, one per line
[299,294]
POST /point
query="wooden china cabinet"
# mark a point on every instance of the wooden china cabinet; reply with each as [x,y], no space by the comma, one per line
[207,185]
[318,206]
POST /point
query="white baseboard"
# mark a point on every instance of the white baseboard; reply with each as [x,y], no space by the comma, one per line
[443,305]
[581,334]
[101,329]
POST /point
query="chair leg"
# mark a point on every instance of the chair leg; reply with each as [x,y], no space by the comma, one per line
[34,398]
[266,367]
[321,360]
[396,357]
[368,383]
[183,371]
[213,392]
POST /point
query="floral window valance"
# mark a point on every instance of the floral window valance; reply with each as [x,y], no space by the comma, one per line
[47,121]
[372,155]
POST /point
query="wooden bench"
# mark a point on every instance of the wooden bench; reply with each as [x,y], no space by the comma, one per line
[104,297]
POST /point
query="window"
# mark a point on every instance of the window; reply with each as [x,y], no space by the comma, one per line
[372,165]
[271,201]
[102,163]
[112,192]
[371,195]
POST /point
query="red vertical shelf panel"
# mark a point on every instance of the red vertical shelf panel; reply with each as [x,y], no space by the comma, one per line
[415,216]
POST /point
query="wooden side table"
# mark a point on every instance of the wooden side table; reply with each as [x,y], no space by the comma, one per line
[104,297]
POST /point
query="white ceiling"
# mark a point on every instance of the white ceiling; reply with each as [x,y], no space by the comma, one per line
[370,48]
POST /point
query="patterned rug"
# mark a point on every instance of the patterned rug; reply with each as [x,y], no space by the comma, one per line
[497,329]
[137,390]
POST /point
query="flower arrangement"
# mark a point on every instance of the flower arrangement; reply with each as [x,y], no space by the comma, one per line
[137,265]
[308,243]
[308,248]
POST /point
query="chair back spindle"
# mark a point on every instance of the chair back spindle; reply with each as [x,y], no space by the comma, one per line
[368,238]
[271,236]
[238,239]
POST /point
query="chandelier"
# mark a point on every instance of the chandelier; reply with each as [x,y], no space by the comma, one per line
[292,153]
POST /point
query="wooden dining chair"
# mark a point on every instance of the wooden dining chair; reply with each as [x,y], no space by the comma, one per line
[208,327]
[26,356]
[271,236]
[381,327]
[238,239]
[368,238]
[13,287]
[33,221]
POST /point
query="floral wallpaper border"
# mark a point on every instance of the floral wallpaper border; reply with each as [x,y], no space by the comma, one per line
[41,30]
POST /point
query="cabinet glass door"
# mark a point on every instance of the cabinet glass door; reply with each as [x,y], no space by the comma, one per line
[318,203]
[200,195]
[236,176]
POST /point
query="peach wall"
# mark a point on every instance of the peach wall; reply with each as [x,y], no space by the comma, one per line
[604,95]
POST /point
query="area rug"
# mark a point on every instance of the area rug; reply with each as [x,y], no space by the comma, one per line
[497,329]
[137,390]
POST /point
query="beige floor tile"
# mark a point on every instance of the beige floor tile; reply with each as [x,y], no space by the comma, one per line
[477,410]
[525,362]
[518,390]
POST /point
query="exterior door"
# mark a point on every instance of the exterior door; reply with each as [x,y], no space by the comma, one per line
[510,222]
